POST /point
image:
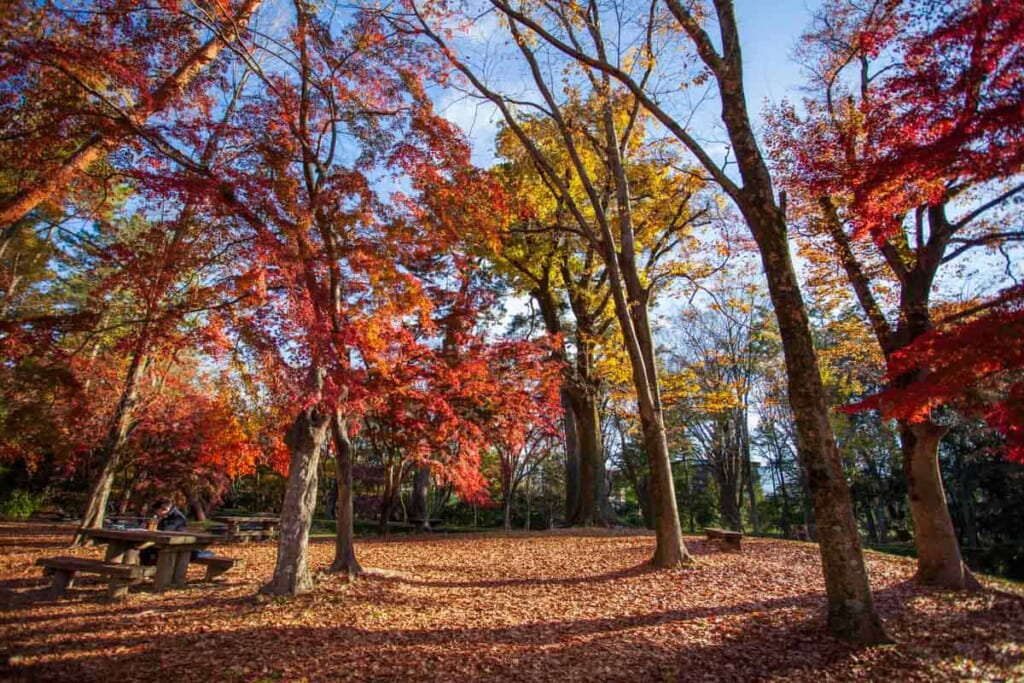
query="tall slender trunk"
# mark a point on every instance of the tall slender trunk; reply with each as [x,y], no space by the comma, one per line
[748,470]
[572,458]
[728,485]
[529,510]
[420,501]
[851,610]
[966,484]
[939,562]
[631,300]
[507,506]
[113,446]
[305,438]
[882,521]
[394,473]
[344,515]
[785,501]
[126,493]
[387,505]
[869,519]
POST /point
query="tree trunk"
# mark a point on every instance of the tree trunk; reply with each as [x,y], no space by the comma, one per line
[120,427]
[420,501]
[572,458]
[529,511]
[344,515]
[507,504]
[387,508]
[869,519]
[198,508]
[882,522]
[670,550]
[748,470]
[851,610]
[785,501]
[211,505]
[126,493]
[305,439]
[939,562]
[728,484]
[591,461]
[394,473]
[631,299]
[967,506]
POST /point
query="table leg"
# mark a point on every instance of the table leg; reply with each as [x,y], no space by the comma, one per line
[166,563]
[117,552]
[181,568]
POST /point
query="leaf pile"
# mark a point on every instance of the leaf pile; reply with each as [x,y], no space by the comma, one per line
[552,606]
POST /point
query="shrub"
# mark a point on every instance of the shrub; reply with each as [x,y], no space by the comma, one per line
[19,504]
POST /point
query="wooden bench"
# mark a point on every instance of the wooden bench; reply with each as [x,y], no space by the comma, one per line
[215,565]
[433,523]
[238,536]
[731,538]
[119,576]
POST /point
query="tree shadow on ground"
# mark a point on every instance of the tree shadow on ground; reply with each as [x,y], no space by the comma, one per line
[766,644]
[628,572]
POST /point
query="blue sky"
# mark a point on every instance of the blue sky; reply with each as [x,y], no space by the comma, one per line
[768,29]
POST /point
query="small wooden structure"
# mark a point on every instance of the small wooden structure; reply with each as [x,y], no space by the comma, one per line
[730,538]
[254,528]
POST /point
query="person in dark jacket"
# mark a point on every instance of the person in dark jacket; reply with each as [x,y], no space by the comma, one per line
[169,518]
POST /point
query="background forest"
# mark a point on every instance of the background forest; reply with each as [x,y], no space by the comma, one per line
[247,263]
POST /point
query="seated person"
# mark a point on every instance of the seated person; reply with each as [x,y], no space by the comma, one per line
[168,518]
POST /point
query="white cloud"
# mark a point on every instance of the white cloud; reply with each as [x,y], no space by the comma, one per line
[478,119]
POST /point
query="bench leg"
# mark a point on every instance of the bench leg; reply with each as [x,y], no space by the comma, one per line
[61,580]
[212,572]
[117,590]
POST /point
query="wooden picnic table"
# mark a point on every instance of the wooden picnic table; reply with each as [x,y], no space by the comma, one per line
[174,550]
[268,525]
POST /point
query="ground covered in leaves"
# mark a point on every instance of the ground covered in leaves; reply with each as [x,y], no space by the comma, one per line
[554,606]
